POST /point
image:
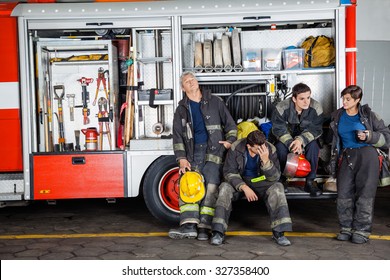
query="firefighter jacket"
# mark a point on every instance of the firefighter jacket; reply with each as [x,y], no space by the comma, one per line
[378,136]
[288,126]
[219,124]
[234,166]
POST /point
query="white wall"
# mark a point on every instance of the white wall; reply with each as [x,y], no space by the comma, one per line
[373,54]
[373,20]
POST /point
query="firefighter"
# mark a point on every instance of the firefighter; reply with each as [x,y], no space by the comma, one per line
[357,132]
[252,168]
[297,125]
[203,130]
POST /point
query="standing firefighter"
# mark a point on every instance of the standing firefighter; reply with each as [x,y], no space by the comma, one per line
[252,168]
[357,133]
[203,130]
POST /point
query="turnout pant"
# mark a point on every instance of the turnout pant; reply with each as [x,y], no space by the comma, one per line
[312,152]
[273,196]
[357,181]
[202,213]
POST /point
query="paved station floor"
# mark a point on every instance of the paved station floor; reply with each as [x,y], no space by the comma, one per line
[125,230]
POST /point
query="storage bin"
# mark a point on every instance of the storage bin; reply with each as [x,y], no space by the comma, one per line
[293,58]
[251,59]
[272,59]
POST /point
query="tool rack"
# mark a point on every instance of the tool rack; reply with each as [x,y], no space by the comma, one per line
[68,75]
[65,64]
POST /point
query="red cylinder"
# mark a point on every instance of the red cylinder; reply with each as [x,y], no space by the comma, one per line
[350,44]
[91,137]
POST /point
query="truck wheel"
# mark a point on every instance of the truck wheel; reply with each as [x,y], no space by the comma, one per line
[161,189]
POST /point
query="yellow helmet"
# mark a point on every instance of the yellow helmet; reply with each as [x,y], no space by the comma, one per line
[244,128]
[192,187]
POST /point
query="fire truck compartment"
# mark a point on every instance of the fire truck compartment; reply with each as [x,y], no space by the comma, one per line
[78,175]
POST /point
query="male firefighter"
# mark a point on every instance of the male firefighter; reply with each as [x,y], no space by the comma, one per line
[252,168]
[297,125]
[203,130]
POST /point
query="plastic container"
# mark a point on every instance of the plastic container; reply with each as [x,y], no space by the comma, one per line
[272,59]
[159,94]
[293,58]
[251,59]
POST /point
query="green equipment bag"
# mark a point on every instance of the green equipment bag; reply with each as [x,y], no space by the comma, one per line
[319,51]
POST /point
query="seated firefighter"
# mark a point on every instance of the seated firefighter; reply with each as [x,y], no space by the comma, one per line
[297,125]
[252,168]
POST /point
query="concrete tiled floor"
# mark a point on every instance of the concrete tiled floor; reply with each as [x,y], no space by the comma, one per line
[131,216]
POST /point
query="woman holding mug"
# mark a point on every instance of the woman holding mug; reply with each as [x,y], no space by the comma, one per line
[357,132]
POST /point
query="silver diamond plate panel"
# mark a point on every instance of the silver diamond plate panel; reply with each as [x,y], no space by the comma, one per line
[166,43]
[11,197]
[252,40]
[150,144]
[279,38]
[149,75]
[322,87]
[11,183]
[151,117]
[146,46]
[146,49]
[188,47]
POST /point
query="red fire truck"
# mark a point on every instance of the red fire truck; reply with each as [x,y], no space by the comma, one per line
[88,90]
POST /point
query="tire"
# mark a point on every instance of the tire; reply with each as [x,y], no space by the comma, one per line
[161,190]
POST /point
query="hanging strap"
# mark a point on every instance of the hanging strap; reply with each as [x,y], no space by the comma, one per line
[311,50]
[151,98]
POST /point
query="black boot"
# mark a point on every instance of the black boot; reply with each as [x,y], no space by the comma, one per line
[311,187]
[280,239]
[203,234]
[217,238]
[184,231]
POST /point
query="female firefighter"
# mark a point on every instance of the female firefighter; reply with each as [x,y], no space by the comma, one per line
[357,133]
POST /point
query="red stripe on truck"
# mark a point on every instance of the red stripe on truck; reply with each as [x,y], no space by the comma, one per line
[9,45]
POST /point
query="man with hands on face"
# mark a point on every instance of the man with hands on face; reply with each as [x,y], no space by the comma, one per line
[297,125]
[252,168]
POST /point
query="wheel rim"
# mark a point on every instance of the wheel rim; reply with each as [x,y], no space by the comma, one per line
[169,189]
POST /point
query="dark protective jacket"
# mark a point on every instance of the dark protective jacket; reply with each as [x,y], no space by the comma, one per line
[378,136]
[235,165]
[219,124]
[287,126]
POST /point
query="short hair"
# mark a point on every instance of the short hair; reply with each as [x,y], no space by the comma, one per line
[299,88]
[256,137]
[187,73]
[355,91]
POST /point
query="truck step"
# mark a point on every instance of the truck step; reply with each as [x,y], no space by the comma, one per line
[11,183]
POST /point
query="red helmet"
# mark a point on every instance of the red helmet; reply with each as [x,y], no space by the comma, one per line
[296,166]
